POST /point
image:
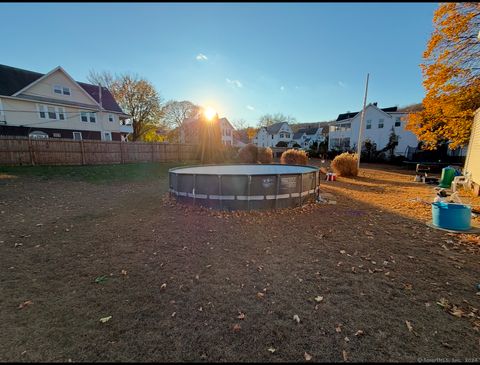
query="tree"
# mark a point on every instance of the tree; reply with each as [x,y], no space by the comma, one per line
[175,112]
[137,97]
[392,144]
[267,120]
[240,124]
[451,79]
[251,133]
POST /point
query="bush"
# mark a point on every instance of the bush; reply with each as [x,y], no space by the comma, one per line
[248,154]
[345,164]
[282,144]
[264,155]
[294,157]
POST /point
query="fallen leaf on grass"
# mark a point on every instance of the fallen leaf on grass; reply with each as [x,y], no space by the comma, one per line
[296,318]
[318,299]
[343,252]
[338,328]
[260,295]
[241,315]
[173,314]
[163,286]
[25,304]
[271,349]
[359,333]
[124,272]
[409,326]
[455,311]
[344,355]
[105,319]
[237,328]
[307,356]
[407,286]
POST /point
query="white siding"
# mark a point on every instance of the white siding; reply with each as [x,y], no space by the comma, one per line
[472,163]
[380,136]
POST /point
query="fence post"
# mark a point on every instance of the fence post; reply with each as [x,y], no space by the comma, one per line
[82,148]
[179,150]
[32,154]
[153,151]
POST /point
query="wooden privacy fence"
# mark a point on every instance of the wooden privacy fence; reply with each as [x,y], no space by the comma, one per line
[26,151]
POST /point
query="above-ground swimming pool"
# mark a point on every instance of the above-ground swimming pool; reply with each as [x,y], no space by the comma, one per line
[244,186]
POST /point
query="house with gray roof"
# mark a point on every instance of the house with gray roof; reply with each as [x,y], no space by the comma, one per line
[271,135]
[306,137]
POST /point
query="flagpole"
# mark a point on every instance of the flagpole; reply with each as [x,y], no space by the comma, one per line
[362,120]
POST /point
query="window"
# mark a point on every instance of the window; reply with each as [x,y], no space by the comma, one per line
[281,135]
[57,135]
[340,142]
[380,123]
[61,113]
[369,124]
[88,116]
[59,89]
[107,136]
[77,136]
[398,123]
[51,112]
[42,109]
[111,118]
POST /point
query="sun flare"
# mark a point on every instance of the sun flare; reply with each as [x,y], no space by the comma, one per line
[209,112]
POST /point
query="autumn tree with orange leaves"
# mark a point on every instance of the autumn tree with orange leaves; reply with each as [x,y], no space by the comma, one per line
[451,70]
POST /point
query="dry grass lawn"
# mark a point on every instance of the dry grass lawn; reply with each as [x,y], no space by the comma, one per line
[365,279]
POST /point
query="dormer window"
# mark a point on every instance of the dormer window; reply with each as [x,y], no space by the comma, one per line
[62,90]
[111,118]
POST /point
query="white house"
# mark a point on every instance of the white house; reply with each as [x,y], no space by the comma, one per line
[378,126]
[472,162]
[306,137]
[54,105]
[271,135]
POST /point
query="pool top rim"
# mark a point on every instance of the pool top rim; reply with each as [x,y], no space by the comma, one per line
[311,169]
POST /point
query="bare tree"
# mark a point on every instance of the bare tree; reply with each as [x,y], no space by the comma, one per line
[269,119]
[136,96]
[175,112]
[240,124]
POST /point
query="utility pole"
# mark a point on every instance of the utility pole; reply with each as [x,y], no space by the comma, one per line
[362,120]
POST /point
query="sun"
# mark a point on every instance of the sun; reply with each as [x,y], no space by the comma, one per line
[209,112]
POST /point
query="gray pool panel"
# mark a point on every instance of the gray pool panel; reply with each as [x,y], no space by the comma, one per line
[244,186]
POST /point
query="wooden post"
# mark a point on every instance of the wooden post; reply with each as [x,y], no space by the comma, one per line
[82,148]
[30,150]
[121,153]
[153,151]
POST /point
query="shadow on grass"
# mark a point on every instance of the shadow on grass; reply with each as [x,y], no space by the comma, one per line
[96,173]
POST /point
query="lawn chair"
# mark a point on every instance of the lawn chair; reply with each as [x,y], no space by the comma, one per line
[461,180]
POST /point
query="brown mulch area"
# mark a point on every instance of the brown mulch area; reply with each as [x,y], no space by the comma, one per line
[366,278]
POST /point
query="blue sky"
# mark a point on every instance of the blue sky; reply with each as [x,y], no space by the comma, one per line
[306,60]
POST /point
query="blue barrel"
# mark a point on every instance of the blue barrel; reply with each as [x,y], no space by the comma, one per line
[452,216]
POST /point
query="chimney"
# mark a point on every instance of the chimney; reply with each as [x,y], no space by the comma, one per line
[100,95]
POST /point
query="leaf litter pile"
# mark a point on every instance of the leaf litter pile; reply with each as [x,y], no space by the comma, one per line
[121,273]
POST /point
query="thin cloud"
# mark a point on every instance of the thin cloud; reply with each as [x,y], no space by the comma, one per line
[342,84]
[201,57]
[249,107]
[236,83]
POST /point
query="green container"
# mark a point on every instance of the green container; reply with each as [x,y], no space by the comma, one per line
[448,173]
